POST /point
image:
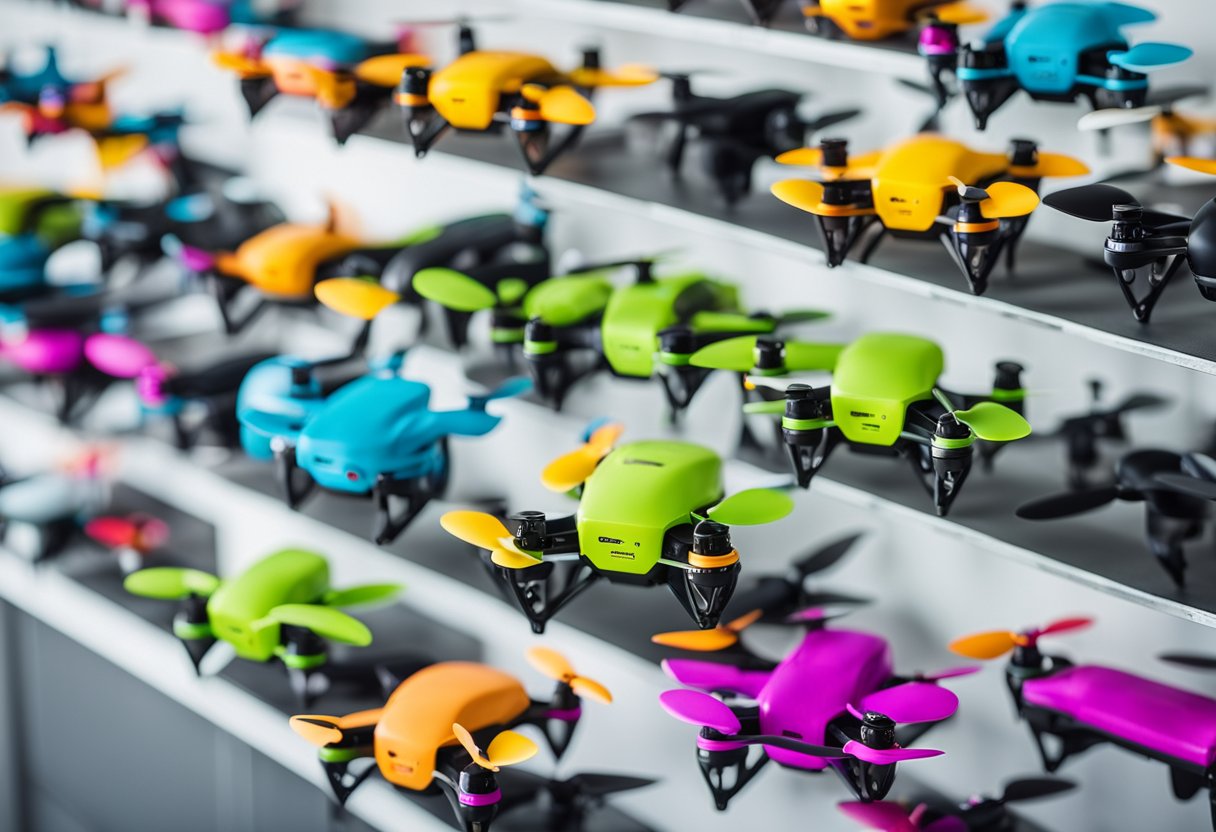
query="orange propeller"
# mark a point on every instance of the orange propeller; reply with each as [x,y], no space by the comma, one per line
[318,730]
[485,531]
[708,641]
[960,14]
[554,665]
[507,749]
[1193,163]
[626,75]
[996,643]
[572,470]
[1050,164]
[242,65]
[386,70]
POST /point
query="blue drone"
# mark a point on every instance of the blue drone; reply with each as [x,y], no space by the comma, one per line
[366,432]
[1058,52]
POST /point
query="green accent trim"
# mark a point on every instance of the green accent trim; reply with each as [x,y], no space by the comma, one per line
[1016,395]
[540,347]
[804,424]
[342,755]
[675,359]
[504,335]
[297,661]
[769,373]
[416,237]
[945,442]
[188,631]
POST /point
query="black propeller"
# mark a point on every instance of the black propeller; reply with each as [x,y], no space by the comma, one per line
[1097,203]
[1192,661]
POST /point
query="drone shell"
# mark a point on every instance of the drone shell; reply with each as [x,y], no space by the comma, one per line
[468,91]
[876,377]
[1201,241]
[417,719]
[289,576]
[268,391]
[639,492]
[282,261]
[912,179]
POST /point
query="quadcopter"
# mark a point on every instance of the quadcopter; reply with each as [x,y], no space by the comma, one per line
[1142,239]
[1082,433]
[871,21]
[132,538]
[280,608]
[576,324]
[650,512]
[735,131]
[1171,133]
[350,78]
[979,813]
[56,502]
[834,702]
[927,187]
[209,17]
[1058,52]
[482,91]
[883,399]
[1175,489]
[83,101]
[372,437]
[431,733]
[1070,708]
[34,222]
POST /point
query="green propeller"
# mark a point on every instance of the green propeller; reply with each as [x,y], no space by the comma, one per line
[326,622]
[989,421]
[752,507]
[453,289]
[776,408]
[742,354]
[171,583]
[356,595]
[563,301]
[711,321]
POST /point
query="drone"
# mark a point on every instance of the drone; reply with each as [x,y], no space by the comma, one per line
[482,91]
[130,538]
[875,21]
[1171,133]
[451,726]
[650,512]
[976,814]
[208,17]
[34,222]
[576,324]
[1083,432]
[1145,239]
[55,503]
[834,702]
[372,437]
[1175,489]
[1058,52]
[1077,707]
[280,608]
[927,187]
[735,131]
[883,394]
[84,101]
[350,78]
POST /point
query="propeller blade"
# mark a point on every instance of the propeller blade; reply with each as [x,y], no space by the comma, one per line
[984,646]
[1090,202]
[994,422]
[790,744]
[565,105]
[948,673]
[510,748]
[554,665]
[466,739]
[318,730]
[454,290]
[1190,660]
[485,531]
[959,14]
[1141,401]
[805,156]
[140,533]
[1052,164]
[1008,199]
[571,470]
[823,122]
[1033,788]
[119,356]
[711,321]
[626,75]
[512,387]
[803,194]
[711,640]
[359,297]
[1192,163]
[735,354]
[326,622]
[912,702]
[386,70]
[887,756]
[508,559]
[801,356]
[241,65]
[170,583]
[1199,465]
[774,408]
[1117,117]
[1064,625]
[1068,503]
[700,709]
[365,594]
[752,507]
[825,557]
[591,784]
[1191,486]
[883,815]
[1145,57]
[585,688]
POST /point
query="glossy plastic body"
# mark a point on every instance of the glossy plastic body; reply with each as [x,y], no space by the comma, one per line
[468,91]
[911,179]
[876,377]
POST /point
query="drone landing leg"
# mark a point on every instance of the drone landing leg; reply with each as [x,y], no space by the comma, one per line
[389,525]
[289,476]
[225,291]
[1186,784]
[1159,278]
[872,244]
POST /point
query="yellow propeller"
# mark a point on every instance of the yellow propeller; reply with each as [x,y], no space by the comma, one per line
[626,75]
[485,531]
[507,749]
[801,193]
[318,730]
[1008,199]
[862,166]
[242,65]
[960,14]
[113,151]
[571,470]
[1050,164]
[560,105]
[386,70]
[358,297]
[554,665]
[334,89]
[708,641]
[1194,163]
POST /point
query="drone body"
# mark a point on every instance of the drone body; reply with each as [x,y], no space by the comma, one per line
[927,187]
[1061,52]
[33,223]
[209,17]
[883,19]
[646,516]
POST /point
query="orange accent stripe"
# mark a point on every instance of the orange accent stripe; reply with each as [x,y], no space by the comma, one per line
[410,99]
[976,227]
[524,114]
[713,561]
[825,210]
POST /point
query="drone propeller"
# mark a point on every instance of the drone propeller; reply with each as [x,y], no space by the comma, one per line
[1117,117]
[560,104]
[750,507]
[485,531]
[989,421]
[887,816]
[357,595]
[572,469]
[626,75]
[171,583]
[708,641]
[1207,166]
[704,711]
[1096,203]
[326,622]
[1033,788]
[956,14]
[386,70]
[831,159]
[1191,661]
[119,356]
[462,293]
[137,532]
[996,643]
[554,665]
[1068,503]
[358,297]
[884,816]
[317,729]
[1146,57]
[242,65]
[947,673]
[1000,200]
[909,703]
[771,356]
[507,749]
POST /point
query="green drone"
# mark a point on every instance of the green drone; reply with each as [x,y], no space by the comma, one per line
[576,324]
[883,397]
[280,608]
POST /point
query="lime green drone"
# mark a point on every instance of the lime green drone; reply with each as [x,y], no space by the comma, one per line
[578,323]
[883,396]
